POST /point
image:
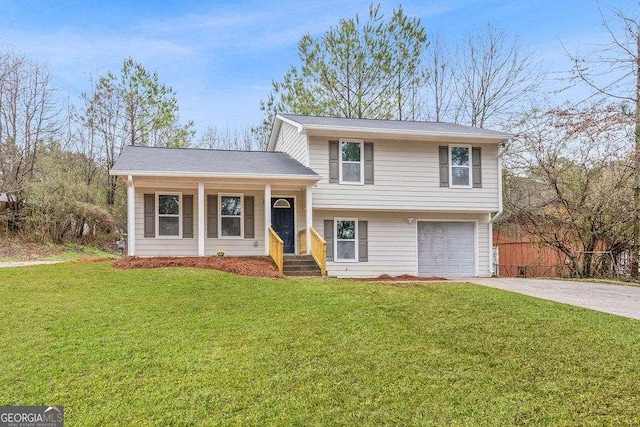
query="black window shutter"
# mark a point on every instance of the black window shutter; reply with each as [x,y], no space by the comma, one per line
[328,237]
[444,166]
[363,241]
[368,163]
[212,216]
[477,167]
[149,215]
[187,216]
[334,155]
[249,227]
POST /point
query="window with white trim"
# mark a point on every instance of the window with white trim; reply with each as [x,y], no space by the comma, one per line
[351,162]
[460,165]
[346,239]
[231,216]
[168,215]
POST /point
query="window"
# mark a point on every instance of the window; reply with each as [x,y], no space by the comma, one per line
[282,204]
[168,215]
[351,164]
[346,240]
[231,223]
[460,167]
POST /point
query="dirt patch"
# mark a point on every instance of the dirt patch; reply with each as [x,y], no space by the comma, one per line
[401,278]
[244,266]
[16,249]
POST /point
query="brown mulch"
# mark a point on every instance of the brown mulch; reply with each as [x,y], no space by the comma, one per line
[244,266]
[401,278]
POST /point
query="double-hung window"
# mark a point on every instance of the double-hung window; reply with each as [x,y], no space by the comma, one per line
[346,240]
[460,165]
[168,215]
[231,215]
[351,162]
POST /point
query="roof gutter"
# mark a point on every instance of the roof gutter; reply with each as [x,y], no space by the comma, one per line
[313,178]
[396,132]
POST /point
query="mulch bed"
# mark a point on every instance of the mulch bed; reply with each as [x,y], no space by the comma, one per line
[244,266]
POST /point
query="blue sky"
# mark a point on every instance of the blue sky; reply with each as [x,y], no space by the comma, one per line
[221,56]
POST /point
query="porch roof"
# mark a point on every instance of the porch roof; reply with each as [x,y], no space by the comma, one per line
[189,162]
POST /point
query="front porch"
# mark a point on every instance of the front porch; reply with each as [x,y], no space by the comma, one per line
[189,217]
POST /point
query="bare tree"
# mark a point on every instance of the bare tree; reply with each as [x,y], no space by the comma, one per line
[569,181]
[440,83]
[612,71]
[30,115]
[228,138]
[493,74]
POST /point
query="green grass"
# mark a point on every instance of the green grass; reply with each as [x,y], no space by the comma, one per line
[73,252]
[199,347]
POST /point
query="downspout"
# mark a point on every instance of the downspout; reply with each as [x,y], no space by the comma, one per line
[497,215]
[502,152]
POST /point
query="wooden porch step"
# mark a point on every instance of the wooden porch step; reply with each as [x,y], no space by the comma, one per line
[301,265]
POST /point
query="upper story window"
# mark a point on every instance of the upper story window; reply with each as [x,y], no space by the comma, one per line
[168,216]
[460,165]
[351,162]
[231,212]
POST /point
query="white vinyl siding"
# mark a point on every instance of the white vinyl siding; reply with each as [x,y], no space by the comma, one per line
[163,246]
[292,143]
[392,241]
[407,177]
[189,247]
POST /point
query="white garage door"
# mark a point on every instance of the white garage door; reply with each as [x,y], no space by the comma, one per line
[446,249]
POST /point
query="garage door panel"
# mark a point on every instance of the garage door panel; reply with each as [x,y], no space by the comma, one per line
[446,248]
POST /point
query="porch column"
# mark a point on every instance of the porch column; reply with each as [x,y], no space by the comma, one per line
[131,217]
[267,217]
[201,219]
[309,215]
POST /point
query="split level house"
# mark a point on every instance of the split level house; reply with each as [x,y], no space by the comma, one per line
[365,197]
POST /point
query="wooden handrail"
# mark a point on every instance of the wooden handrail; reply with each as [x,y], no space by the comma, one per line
[319,250]
[303,242]
[276,249]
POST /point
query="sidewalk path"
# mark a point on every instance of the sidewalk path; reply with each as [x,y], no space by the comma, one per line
[25,263]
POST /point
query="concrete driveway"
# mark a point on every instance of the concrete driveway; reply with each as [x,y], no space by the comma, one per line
[614,299]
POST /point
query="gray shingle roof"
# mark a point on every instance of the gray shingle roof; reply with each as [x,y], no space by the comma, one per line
[150,160]
[371,125]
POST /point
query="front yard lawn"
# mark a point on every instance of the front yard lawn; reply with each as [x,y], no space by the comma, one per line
[182,346]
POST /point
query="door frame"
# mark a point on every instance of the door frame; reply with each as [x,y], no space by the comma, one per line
[476,261]
[295,216]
